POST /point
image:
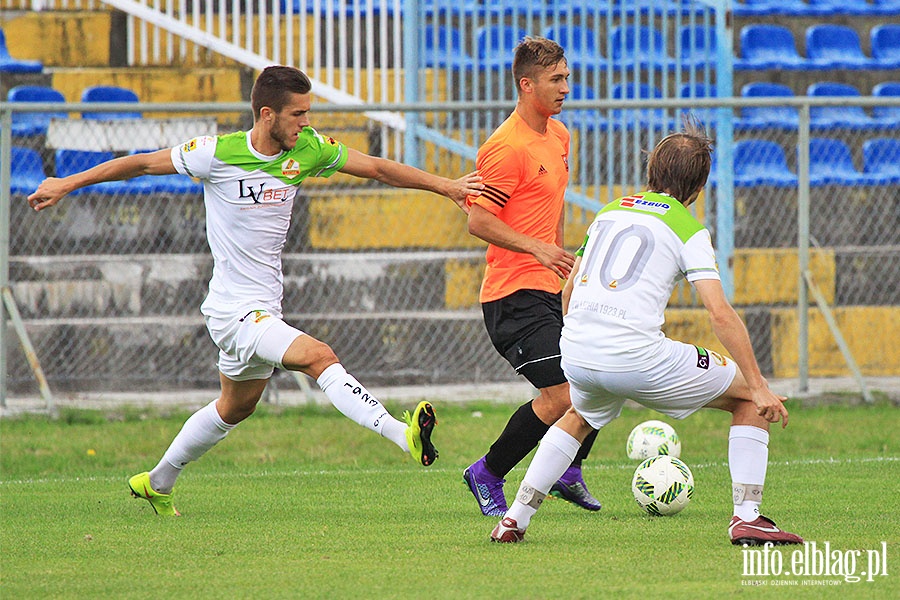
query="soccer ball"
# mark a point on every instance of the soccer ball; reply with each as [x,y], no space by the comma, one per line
[662,485]
[652,438]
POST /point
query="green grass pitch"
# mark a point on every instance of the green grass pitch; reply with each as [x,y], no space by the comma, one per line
[302,503]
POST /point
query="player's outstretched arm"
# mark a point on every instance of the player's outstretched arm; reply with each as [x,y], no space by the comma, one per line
[731,331]
[404,176]
[52,189]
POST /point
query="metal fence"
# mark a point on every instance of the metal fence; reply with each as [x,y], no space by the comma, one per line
[109,282]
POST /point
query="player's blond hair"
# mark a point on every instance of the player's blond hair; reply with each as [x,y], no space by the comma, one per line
[679,164]
[532,54]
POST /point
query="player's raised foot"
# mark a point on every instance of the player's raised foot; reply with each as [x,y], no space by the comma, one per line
[487,489]
[507,532]
[571,487]
[419,426]
[161,503]
[760,531]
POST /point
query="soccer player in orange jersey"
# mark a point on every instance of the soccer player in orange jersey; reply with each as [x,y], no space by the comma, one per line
[524,167]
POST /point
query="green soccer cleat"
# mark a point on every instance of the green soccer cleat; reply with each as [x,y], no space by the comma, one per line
[161,503]
[418,433]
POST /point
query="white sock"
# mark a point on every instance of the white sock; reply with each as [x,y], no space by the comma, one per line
[554,455]
[203,430]
[356,403]
[748,458]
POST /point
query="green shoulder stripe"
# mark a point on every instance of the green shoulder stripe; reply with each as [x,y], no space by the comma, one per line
[665,208]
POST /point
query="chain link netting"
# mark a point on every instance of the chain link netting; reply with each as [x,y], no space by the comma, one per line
[109,282]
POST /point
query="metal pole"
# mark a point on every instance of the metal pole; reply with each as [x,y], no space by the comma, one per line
[411,34]
[5,178]
[725,147]
[803,248]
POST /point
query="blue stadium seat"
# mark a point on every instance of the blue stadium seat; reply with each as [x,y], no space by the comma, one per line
[26,172]
[8,64]
[580,44]
[495,44]
[886,45]
[583,119]
[295,7]
[769,47]
[75,161]
[644,48]
[829,117]
[886,7]
[761,162]
[707,116]
[831,163]
[765,117]
[616,7]
[831,46]
[446,52]
[889,116]
[698,46]
[109,93]
[755,8]
[654,118]
[850,8]
[33,124]
[881,160]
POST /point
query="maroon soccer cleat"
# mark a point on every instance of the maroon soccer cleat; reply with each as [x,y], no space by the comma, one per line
[760,531]
[507,532]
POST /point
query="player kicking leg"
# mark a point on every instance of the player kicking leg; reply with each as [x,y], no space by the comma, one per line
[269,342]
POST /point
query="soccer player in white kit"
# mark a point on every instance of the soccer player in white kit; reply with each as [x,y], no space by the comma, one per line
[250,179]
[613,347]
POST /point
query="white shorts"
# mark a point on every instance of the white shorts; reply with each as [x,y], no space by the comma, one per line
[680,380]
[251,342]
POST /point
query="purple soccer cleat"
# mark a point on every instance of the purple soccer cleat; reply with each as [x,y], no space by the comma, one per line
[571,487]
[487,489]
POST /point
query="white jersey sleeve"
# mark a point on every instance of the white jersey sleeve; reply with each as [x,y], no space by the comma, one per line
[194,158]
[699,258]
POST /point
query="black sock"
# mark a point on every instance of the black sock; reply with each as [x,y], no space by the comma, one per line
[585,449]
[521,435]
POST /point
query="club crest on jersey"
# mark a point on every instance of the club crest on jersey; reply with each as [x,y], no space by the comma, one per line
[191,145]
[255,316]
[637,202]
[290,168]
[332,141]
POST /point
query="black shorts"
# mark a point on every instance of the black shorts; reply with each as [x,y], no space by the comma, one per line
[525,328]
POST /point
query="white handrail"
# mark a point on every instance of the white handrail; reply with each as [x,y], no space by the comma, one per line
[245,54]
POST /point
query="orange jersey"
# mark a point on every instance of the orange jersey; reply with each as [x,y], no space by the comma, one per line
[525,176]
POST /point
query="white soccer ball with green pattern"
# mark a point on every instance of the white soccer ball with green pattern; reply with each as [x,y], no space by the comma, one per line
[652,438]
[662,485]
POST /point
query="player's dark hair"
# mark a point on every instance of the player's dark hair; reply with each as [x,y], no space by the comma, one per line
[533,53]
[680,163]
[273,86]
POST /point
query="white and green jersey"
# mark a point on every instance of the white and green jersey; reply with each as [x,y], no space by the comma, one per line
[249,197]
[635,251]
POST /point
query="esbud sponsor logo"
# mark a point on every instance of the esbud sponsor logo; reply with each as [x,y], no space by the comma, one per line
[828,565]
[639,203]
